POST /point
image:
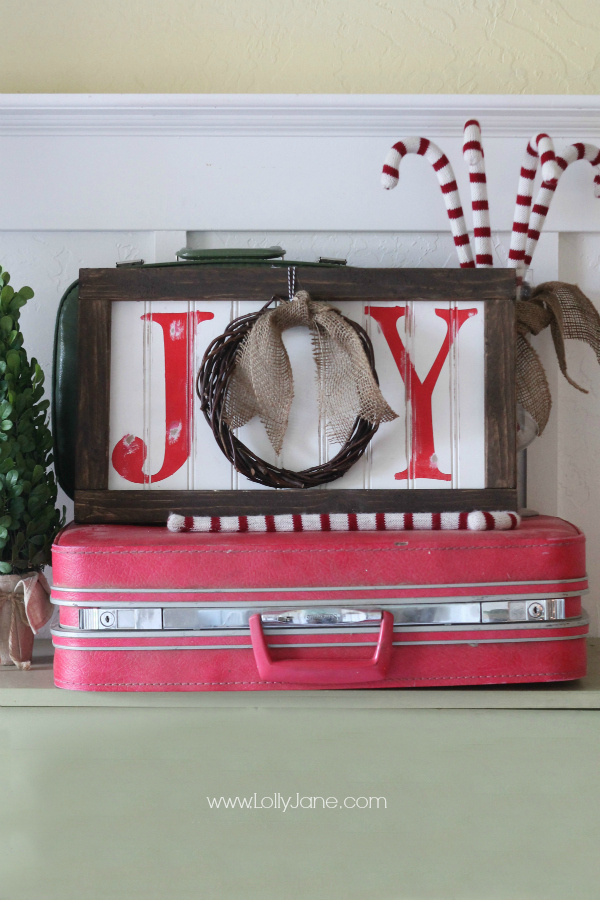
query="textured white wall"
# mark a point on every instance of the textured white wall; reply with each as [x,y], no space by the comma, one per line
[579,417]
[405,249]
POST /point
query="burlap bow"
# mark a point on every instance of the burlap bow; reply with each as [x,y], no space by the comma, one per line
[25,607]
[570,314]
[262,384]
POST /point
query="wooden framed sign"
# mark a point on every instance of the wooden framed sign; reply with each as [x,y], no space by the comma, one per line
[444,345]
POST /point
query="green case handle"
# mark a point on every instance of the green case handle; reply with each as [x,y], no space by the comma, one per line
[250,254]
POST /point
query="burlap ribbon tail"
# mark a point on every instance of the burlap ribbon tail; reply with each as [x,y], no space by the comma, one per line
[570,315]
[25,607]
[262,383]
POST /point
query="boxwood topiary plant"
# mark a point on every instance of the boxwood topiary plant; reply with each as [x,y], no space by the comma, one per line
[29,519]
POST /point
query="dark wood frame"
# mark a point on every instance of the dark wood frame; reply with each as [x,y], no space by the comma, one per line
[99,288]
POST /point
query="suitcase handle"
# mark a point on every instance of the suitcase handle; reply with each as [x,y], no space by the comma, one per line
[339,672]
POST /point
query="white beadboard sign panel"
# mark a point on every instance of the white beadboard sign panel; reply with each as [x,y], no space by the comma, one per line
[429,358]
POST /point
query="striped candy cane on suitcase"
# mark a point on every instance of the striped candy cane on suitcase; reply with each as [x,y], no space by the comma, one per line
[473,156]
[547,189]
[442,168]
[445,521]
[539,148]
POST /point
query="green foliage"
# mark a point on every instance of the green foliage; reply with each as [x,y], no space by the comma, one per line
[29,519]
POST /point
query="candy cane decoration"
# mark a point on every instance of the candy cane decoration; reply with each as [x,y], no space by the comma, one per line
[547,190]
[442,168]
[539,148]
[446,521]
[473,156]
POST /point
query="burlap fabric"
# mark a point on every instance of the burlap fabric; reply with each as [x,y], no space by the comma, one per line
[25,607]
[570,315]
[262,384]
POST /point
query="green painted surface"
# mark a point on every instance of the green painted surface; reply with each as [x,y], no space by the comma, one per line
[36,688]
[110,803]
[490,794]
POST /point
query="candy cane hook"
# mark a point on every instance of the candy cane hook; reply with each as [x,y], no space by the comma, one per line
[539,148]
[548,188]
[442,168]
[473,156]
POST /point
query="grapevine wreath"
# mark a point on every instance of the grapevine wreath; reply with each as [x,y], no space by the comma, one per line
[246,372]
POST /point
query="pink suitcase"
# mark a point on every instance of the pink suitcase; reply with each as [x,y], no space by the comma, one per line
[142,609]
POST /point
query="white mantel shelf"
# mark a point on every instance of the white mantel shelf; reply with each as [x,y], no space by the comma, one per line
[295,162]
[36,689]
[501,115]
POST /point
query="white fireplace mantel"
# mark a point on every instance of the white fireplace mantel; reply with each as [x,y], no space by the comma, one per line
[285,162]
[315,115]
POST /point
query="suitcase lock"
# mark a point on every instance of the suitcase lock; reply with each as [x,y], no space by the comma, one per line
[535,611]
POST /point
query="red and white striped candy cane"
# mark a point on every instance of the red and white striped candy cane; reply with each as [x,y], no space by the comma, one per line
[547,189]
[539,148]
[442,168]
[473,156]
[445,521]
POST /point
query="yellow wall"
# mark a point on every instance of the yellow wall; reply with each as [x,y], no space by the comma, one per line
[288,46]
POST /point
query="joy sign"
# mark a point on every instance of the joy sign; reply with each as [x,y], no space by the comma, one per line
[436,363]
